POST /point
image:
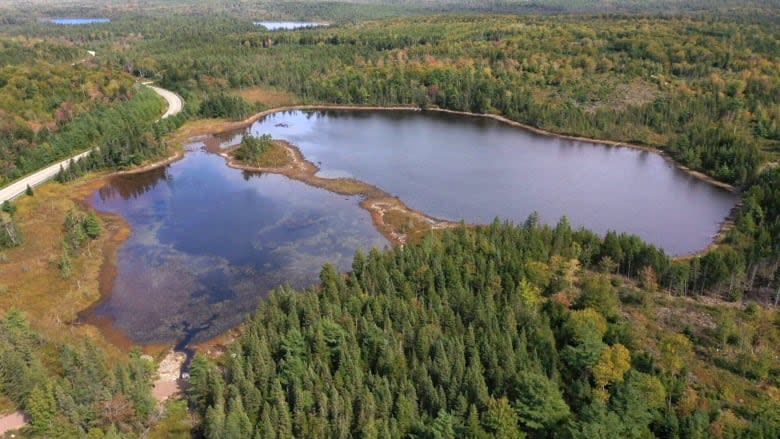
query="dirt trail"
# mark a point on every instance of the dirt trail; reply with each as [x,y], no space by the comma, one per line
[169,381]
[12,421]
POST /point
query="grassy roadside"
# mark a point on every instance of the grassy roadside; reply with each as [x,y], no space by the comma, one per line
[31,281]
[30,278]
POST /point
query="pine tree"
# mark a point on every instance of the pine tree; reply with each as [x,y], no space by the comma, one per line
[41,407]
[10,235]
[265,428]
[64,264]
[8,207]
[60,177]
[92,225]
[214,422]
[237,423]
[501,420]
[539,402]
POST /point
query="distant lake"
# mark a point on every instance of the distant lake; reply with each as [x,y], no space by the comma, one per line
[287,25]
[459,167]
[77,21]
[209,241]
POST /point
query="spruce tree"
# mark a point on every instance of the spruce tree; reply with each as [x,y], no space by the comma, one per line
[92,226]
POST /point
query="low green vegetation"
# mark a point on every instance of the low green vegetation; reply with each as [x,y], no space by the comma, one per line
[177,423]
[10,234]
[225,106]
[499,331]
[79,230]
[261,151]
[252,148]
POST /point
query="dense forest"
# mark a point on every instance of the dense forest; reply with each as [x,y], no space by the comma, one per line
[705,90]
[73,391]
[499,331]
[51,108]
[16,11]
[490,331]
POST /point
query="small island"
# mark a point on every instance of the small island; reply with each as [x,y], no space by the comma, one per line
[393,218]
[262,152]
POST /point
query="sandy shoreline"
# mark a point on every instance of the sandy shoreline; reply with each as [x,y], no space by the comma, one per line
[178,155]
[169,381]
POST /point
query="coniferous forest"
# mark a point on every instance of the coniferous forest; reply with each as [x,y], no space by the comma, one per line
[500,330]
[493,332]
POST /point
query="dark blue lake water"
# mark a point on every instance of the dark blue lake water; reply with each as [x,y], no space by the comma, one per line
[209,241]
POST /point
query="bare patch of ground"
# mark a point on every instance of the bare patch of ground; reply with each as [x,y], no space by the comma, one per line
[635,94]
[268,97]
[168,382]
[11,422]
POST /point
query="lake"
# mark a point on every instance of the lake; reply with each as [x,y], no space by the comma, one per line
[209,241]
[459,167]
[287,25]
[78,21]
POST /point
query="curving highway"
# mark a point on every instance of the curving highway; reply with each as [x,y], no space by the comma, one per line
[175,102]
[18,187]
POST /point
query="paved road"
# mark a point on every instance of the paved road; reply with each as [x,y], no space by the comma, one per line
[174,101]
[18,187]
